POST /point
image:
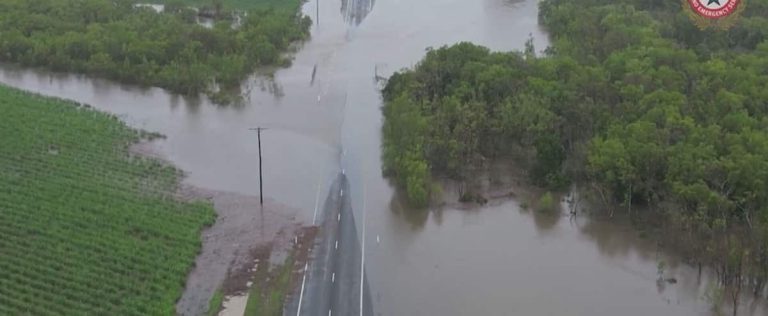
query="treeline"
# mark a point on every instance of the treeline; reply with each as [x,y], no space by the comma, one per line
[135,44]
[631,100]
[234,4]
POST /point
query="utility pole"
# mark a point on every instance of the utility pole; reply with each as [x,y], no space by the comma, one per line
[261,178]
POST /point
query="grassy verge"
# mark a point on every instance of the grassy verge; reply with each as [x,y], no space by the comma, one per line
[267,299]
[214,306]
[85,226]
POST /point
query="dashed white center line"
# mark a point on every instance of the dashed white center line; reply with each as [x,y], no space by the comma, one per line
[333,277]
[337,244]
[342,192]
[329,312]
[338,217]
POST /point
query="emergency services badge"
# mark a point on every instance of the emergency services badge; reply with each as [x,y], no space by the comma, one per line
[716,14]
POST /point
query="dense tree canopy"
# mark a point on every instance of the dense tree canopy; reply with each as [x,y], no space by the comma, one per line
[237,4]
[631,99]
[135,44]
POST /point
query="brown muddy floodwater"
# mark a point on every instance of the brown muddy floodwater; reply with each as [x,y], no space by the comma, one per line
[497,260]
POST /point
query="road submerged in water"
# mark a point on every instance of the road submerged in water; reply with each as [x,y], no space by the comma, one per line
[323,115]
[332,283]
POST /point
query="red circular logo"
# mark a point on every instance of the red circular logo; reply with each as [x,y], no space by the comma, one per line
[714,9]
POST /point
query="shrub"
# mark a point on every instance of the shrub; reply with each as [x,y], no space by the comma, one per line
[547,203]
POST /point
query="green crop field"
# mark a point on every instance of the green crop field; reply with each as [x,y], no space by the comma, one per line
[85,227]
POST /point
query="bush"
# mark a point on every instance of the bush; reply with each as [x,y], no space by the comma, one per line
[547,203]
[140,46]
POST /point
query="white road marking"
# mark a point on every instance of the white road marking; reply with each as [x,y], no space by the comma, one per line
[333,277]
[342,171]
[377,239]
[301,296]
[362,255]
[317,200]
[329,312]
[342,192]
[337,244]
[338,217]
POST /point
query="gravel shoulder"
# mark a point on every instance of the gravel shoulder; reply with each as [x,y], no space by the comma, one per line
[243,232]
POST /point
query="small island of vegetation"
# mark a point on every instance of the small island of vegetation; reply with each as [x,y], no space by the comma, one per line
[127,42]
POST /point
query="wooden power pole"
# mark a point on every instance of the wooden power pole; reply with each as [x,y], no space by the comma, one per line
[261,178]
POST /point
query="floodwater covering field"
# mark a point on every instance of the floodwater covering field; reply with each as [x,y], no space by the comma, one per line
[323,115]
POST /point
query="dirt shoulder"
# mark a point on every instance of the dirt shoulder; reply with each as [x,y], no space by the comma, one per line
[243,234]
[245,237]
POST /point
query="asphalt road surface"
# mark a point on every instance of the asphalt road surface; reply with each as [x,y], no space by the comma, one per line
[332,284]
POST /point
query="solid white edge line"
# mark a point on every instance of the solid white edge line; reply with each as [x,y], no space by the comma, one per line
[301,295]
[317,200]
[362,255]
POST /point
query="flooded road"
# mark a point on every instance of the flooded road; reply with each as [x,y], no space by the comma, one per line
[323,115]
